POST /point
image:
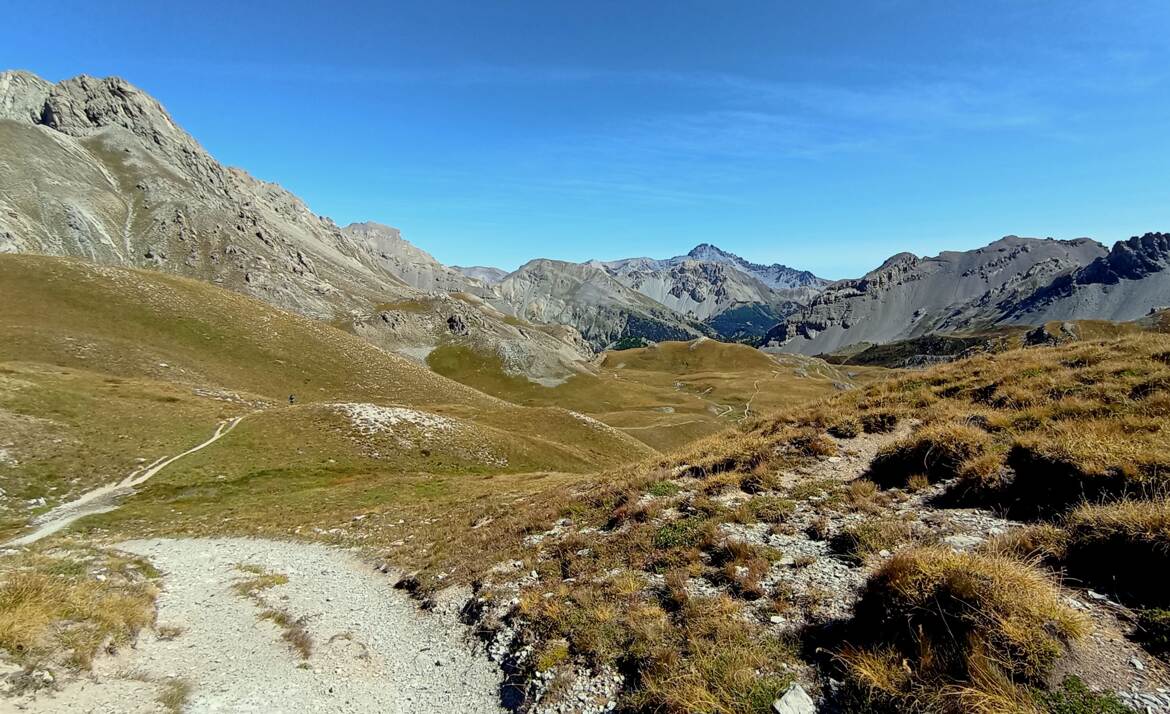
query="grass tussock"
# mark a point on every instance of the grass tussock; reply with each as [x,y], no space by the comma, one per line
[64,605]
[1043,543]
[862,540]
[937,451]
[1117,546]
[684,653]
[956,632]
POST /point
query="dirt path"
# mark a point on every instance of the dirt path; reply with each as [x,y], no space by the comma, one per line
[105,498]
[372,649]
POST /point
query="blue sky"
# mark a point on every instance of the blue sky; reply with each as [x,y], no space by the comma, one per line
[822,135]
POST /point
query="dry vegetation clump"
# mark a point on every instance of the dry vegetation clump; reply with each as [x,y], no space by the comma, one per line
[846,427]
[1040,543]
[1119,546]
[936,630]
[725,453]
[937,451]
[683,653]
[879,422]
[861,540]
[62,605]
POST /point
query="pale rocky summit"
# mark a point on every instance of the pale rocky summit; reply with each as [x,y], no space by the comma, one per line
[775,276]
[483,273]
[409,263]
[588,298]
[103,172]
[1126,284]
[731,296]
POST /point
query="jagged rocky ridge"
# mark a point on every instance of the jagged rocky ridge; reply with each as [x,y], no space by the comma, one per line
[1011,281]
[98,169]
[1128,283]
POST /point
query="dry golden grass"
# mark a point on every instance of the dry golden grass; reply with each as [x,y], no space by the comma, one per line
[869,537]
[1042,542]
[55,609]
[1118,546]
[1036,430]
[937,451]
[942,631]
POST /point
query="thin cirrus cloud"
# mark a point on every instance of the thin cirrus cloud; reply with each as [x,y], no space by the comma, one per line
[691,135]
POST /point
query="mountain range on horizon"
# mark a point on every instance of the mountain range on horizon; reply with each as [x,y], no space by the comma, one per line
[97,169]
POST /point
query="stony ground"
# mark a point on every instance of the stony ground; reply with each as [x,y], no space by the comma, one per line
[371,647]
[822,580]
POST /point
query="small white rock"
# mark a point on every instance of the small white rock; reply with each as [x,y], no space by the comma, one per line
[794,701]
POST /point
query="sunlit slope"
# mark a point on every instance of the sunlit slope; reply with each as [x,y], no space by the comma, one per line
[103,369]
[670,393]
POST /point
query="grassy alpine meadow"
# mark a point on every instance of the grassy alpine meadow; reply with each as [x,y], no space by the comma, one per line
[909,538]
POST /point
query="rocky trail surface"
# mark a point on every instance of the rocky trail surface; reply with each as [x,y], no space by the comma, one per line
[369,647]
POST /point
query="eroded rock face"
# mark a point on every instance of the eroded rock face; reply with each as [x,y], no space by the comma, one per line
[1126,284]
[734,298]
[588,298]
[908,296]
[409,263]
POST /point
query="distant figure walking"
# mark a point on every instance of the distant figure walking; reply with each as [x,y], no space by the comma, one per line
[292,399]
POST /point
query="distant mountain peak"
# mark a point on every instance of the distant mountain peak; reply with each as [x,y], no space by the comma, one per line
[710,251]
[775,276]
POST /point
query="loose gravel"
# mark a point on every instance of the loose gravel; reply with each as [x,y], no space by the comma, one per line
[373,650]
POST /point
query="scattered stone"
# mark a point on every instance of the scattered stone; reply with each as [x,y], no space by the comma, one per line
[794,701]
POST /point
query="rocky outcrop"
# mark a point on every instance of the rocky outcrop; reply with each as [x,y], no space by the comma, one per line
[775,276]
[385,247]
[735,299]
[1126,284]
[482,273]
[908,296]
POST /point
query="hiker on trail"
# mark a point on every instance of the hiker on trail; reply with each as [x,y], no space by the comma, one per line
[292,399]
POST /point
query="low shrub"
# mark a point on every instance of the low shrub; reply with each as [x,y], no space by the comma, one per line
[1153,630]
[1074,697]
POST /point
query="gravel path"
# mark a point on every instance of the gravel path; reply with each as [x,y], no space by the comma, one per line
[372,649]
[106,498]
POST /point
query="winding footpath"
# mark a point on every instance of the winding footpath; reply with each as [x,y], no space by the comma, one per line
[106,498]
